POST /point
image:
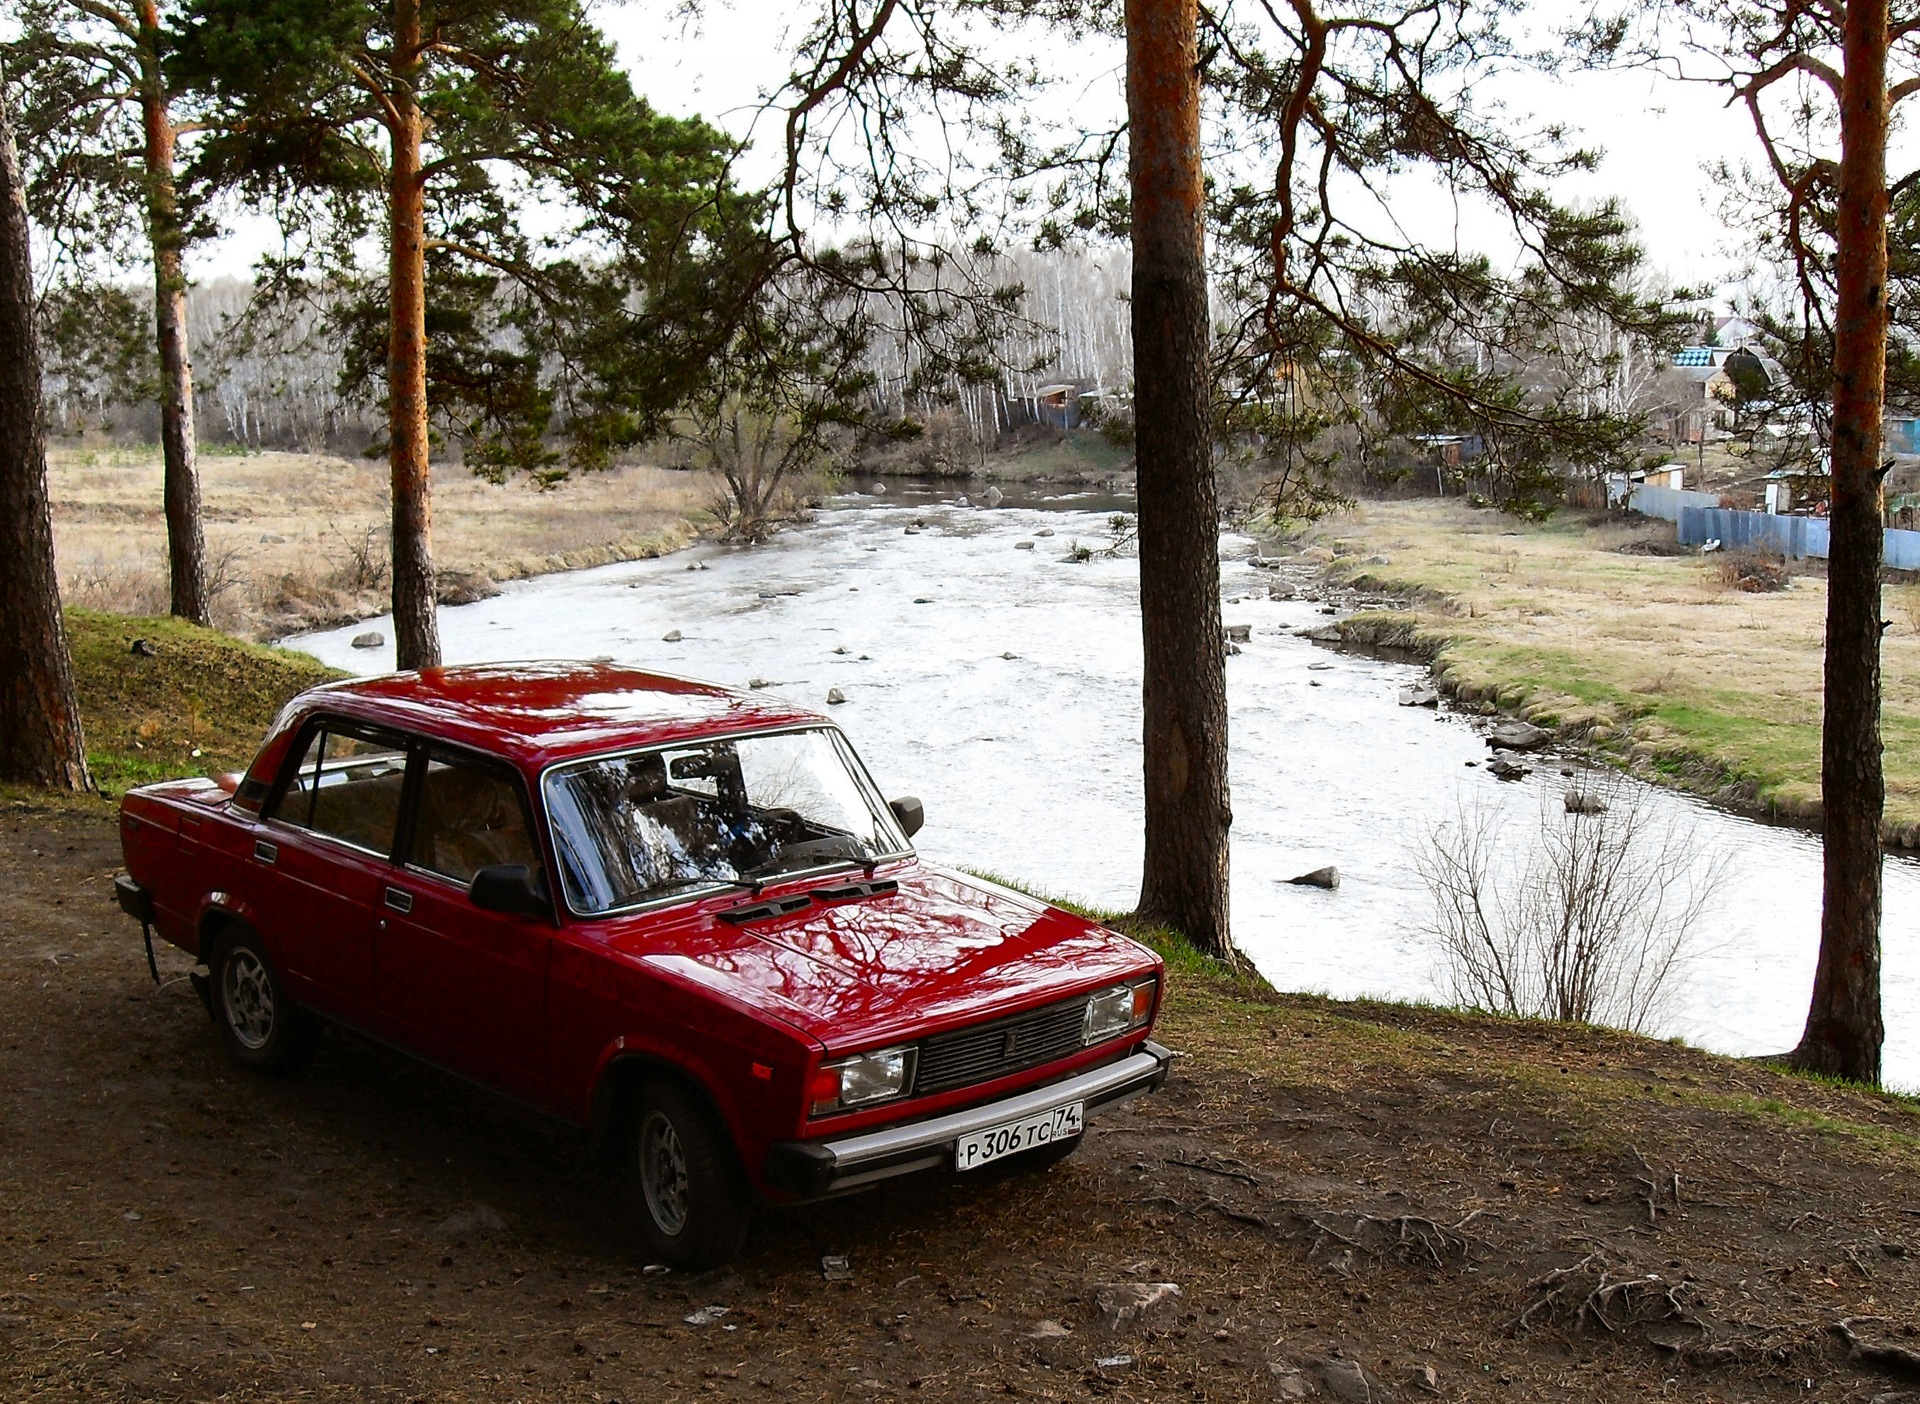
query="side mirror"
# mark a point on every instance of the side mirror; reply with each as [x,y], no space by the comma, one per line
[908,811]
[508,887]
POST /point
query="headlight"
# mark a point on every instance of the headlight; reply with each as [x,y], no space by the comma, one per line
[846,1083]
[1119,1010]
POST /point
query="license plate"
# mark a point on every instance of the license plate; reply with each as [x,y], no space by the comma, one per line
[979,1148]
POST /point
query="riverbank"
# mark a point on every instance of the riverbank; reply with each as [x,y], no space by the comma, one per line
[1354,1200]
[1654,660]
[299,541]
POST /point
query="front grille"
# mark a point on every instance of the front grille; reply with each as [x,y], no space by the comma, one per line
[986,1051]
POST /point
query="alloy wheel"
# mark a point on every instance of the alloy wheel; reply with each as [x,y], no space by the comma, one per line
[247,994]
[663,1173]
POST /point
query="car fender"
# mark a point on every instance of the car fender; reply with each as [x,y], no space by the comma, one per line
[219,907]
[675,1058]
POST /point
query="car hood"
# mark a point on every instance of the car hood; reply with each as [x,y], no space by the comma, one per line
[943,950]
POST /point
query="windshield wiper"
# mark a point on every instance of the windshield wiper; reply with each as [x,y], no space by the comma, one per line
[848,891]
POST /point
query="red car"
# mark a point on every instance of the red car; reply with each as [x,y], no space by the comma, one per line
[678,916]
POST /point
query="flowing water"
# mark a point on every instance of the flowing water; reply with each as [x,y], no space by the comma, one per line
[1002,686]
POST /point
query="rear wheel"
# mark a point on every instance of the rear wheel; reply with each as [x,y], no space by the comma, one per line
[265,1032]
[684,1184]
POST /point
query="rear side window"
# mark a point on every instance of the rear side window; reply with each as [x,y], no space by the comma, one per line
[470,818]
[347,785]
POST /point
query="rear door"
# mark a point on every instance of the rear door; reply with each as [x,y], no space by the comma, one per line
[321,853]
[466,986]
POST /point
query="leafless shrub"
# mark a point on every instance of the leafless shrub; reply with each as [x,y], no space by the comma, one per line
[1910,606]
[360,563]
[1586,915]
[1753,572]
[115,582]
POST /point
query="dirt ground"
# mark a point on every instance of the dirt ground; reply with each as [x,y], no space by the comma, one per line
[1347,1197]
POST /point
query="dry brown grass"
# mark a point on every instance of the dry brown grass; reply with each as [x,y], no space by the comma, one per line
[1577,625]
[296,540]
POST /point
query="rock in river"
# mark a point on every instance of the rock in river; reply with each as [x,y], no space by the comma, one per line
[1327,877]
[1518,736]
[1419,697]
[373,638]
[1505,769]
[1239,633]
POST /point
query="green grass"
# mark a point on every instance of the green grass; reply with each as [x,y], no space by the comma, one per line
[200,705]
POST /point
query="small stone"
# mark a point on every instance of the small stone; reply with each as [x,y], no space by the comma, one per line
[1047,1331]
[373,638]
[473,1222]
[671,636]
[1419,697]
[1239,633]
[994,497]
[1319,667]
[1123,1303]
[1233,650]
[878,490]
[1023,545]
[843,650]
[835,697]
[706,1316]
[757,683]
[1344,1379]
[1327,877]
[1044,531]
[1288,1381]
[1114,1362]
[142,649]
[834,1267]
[913,531]
[922,599]
[1009,656]
[1425,1377]
[961,501]
[1504,769]
[1579,801]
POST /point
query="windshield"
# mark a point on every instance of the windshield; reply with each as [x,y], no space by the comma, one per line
[631,828]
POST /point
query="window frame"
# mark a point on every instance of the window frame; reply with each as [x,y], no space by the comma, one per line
[331,723]
[420,757]
[835,736]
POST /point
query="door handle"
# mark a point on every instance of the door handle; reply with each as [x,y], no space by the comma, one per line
[266,852]
[401,902]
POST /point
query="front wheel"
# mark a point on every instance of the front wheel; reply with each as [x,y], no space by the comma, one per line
[683,1181]
[265,1032]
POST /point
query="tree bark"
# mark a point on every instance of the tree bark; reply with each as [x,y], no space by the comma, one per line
[416,629]
[186,542]
[1844,1031]
[40,741]
[1184,884]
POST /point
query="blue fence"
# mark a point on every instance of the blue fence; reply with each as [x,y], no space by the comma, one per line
[1668,502]
[1797,537]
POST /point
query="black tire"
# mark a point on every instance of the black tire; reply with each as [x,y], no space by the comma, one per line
[265,1031]
[684,1187]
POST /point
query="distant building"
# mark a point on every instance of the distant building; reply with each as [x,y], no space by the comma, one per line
[1452,449]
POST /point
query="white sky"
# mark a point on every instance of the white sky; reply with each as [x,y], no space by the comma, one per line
[1658,136]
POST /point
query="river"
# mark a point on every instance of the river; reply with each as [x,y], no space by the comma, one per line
[1002,686]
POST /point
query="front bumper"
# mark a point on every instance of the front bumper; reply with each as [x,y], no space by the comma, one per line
[814,1168]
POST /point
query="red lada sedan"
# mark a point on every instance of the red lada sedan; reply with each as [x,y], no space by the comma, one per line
[678,916]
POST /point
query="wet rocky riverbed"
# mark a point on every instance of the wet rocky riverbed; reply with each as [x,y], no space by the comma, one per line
[989,658]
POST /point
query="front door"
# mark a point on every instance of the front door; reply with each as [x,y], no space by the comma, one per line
[465,986]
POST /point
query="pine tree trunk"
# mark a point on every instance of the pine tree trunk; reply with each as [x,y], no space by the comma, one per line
[186,542]
[40,740]
[416,630]
[1844,1029]
[1184,884]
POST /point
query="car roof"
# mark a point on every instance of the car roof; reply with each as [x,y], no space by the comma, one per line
[541,712]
